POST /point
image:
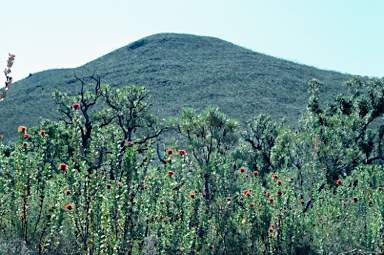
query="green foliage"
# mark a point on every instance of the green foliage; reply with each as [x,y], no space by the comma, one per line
[90,182]
[260,137]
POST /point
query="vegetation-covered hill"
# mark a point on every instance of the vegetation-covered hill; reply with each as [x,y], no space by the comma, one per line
[180,71]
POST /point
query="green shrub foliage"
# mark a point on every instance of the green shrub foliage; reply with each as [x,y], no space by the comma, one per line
[98,181]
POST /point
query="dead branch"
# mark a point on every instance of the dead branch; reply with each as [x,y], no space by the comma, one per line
[8,78]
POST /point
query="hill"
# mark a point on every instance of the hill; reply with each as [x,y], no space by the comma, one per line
[181,71]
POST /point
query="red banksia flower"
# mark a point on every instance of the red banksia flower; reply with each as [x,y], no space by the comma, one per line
[69,207]
[270,229]
[1,136]
[169,152]
[129,143]
[76,106]
[192,195]
[63,167]
[241,169]
[379,188]
[355,199]
[67,192]
[338,182]
[108,186]
[251,204]
[246,192]
[181,152]
[211,247]
[275,176]
[270,200]
[170,173]
[145,186]
[267,193]
[26,135]
[21,129]
[302,201]
[279,182]
[255,173]
[42,132]
[279,193]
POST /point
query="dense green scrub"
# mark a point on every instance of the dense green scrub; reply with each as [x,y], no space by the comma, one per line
[110,182]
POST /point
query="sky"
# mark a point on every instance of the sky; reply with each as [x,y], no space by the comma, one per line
[340,35]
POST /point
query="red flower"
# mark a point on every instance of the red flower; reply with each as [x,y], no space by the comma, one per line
[192,195]
[102,172]
[355,199]
[170,173]
[267,193]
[343,203]
[21,129]
[338,182]
[302,201]
[279,193]
[251,204]
[246,176]
[145,186]
[76,106]
[211,247]
[67,192]
[26,135]
[63,167]
[181,152]
[246,192]
[169,152]
[241,169]
[291,179]
[69,207]
[279,182]
[108,186]
[275,176]
[379,188]
[42,132]
[270,229]
[255,173]
[270,200]
[1,136]
[129,143]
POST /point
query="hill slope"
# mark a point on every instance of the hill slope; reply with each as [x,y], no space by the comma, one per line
[180,71]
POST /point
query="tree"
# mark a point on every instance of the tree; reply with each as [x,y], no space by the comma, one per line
[349,130]
[260,135]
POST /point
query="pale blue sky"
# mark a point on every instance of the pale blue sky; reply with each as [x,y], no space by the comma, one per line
[341,35]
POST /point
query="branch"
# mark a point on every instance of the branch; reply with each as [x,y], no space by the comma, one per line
[158,154]
[8,79]
[362,131]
